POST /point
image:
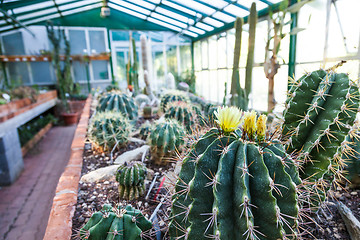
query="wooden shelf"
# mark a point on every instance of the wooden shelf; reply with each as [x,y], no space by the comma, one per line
[47,58]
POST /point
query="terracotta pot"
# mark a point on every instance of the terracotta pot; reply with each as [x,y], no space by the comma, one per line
[70,118]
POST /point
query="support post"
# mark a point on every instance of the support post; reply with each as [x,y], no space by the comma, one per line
[292,45]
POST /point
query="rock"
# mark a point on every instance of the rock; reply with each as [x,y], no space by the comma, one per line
[133,155]
[101,174]
[137,141]
[352,224]
[353,193]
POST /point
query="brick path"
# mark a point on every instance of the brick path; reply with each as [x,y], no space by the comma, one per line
[25,206]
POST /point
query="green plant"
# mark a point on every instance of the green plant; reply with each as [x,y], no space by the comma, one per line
[131,177]
[145,130]
[24,92]
[183,113]
[65,83]
[235,186]
[352,159]
[132,74]
[116,223]
[110,88]
[165,139]
[108,129]
[172,96]
[118,102]
[319,113]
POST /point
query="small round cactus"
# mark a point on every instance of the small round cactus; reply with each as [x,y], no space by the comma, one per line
[118,102]
[145,130]
[130,177]
[182,112]
[173,96]
[115,223]
[165,138]
[107,129]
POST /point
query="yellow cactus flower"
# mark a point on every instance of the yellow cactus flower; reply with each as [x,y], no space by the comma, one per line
[228,118]
[250,124]
[261,127]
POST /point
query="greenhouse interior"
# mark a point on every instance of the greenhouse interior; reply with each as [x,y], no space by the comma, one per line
[179,119]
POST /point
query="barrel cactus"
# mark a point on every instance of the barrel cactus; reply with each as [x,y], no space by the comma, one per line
[107,129]
[182,112]
[116,223]
[145,130]
[172,96]
[166,138]
[319,114]
[131,177]
[118,102]
[236,185]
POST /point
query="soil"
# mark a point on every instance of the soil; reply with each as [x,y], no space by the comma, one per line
[326,224]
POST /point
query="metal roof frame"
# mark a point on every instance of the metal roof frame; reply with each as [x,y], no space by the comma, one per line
[196,19]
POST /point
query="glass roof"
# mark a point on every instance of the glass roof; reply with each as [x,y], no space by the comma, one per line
[193,18]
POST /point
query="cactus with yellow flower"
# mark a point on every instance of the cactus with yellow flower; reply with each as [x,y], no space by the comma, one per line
[236,184]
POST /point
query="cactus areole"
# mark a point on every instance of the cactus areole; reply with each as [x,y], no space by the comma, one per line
[235,185]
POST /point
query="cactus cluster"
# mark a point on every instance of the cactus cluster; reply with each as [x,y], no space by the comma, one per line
[319,114]
[236,187]
[118,102]
[131,177]
[107,129]
[182,112]
[172,96]
[116,223]
[166,138]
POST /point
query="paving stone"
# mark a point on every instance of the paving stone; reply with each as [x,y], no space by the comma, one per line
[33,192]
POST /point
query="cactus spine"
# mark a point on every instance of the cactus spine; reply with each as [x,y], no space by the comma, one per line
[107,129]
[183,113]
[227,187]
[118,102]
[251,47]
[115,223]
[319,113]
[352,159]
[165,139]
[131,178]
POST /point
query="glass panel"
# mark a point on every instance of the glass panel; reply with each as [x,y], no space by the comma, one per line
[19,73]
[79,69]
[197,55]
[78,42]
[230,47]
[311,41]
[120,35]
[97,42]
[213,53]
[185,56]
[159,69]
[41,72]
[171,60]
[260,43]
[100,70]
[120,66]
[221,55]
[258,98]
[13,44]
[204,54]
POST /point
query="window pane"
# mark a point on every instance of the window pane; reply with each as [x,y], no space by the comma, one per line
[197,57]
[97,42]
[221,52]
[19,73]
[79,71]
[13,44]
[171,60]
[120,66]
[185,56]
[213,53]
[100,70]
[77,42]
[204,54]
[41,72]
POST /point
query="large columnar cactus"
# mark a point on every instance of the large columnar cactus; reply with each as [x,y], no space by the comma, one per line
[351,158]
[320,111]
[131,177]
[116,223]
[182,112]
[251,48]
[132,74]
[108,128]
[165,139]
[118,102]
[236,187]
[172,96]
